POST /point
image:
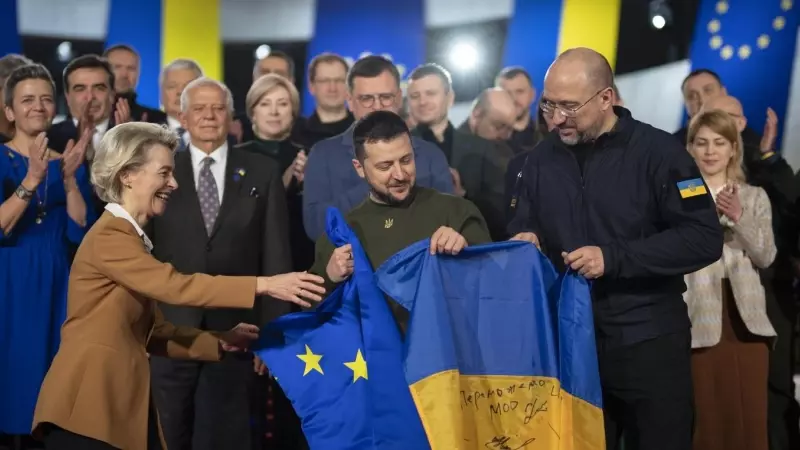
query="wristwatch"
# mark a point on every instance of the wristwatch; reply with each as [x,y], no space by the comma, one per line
[23,193]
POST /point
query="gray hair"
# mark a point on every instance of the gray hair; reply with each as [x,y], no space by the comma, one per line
[11,62]
[202,82]
[180,64]
[124,149]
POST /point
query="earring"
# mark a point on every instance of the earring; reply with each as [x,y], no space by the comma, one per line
[127,186]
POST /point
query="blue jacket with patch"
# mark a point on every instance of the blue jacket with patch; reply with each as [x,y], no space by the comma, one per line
[626,200]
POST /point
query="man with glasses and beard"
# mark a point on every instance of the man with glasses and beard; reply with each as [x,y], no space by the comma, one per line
[373,85]
[623,204]
[396,212]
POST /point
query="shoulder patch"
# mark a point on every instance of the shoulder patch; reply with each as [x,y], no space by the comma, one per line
[692,187]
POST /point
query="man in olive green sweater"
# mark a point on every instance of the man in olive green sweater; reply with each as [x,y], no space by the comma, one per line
[397,213]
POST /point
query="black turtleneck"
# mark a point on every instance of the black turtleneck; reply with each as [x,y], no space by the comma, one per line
[446,145]
[311,130]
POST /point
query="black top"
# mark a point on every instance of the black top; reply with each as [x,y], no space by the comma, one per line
[634,200]
[446,146]
[283,153]
[524,140]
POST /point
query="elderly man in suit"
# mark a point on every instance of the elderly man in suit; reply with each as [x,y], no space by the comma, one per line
[478,165]
[228,218]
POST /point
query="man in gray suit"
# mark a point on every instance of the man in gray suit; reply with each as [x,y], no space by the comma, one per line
[478,165]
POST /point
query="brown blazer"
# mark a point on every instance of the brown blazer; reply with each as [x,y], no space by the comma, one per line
[99,383]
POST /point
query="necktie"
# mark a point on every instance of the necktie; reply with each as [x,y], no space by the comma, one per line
[208,194]
[182,137]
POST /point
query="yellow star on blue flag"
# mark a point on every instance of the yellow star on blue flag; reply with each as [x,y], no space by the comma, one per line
[745,42]
[319,358]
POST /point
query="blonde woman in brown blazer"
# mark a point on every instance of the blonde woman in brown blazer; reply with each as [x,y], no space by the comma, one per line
[96,394]
[731,332]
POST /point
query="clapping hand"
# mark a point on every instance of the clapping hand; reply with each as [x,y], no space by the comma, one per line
[292,287]
[770,132]
[728,203]
[122,112]
[457,186]
[74,155]
[38,159]
[238,338]
[299,165]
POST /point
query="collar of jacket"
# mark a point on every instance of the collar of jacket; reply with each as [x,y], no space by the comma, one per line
[619,135]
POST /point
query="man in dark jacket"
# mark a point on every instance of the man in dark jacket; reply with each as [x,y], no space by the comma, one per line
[623,204]
[124,61]
[477,164]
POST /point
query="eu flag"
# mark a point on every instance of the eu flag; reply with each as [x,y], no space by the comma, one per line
[341,365]
[500,350]
[751,45]
[352,28]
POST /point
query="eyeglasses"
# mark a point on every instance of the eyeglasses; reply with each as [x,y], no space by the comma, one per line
[549,108]
[368,101]
[335,81]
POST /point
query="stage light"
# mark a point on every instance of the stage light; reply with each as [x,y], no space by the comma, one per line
[660,14]
[464,56]
[64,51]
[263,51]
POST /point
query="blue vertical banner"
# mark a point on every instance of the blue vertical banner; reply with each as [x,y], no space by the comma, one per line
[354,28]
[138,24]
[10,40]
[751,45]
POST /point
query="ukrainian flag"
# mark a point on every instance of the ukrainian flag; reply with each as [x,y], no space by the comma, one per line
[540,30]
[164,30]
[500,350]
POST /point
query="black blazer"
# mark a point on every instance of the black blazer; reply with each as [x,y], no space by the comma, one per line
[482,166]
[250,236]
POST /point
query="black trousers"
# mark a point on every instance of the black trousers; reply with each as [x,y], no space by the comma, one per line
[783,412]
[647,393]
[56,438]
[204,406]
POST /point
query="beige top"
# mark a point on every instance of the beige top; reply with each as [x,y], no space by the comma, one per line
[749,244]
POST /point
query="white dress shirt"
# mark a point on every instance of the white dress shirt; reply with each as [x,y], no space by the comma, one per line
[220,157]
[118,211]
[99,130]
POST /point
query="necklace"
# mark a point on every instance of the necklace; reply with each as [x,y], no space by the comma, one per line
[41,201]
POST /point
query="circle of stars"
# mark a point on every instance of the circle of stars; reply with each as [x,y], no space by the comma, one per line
[726,52]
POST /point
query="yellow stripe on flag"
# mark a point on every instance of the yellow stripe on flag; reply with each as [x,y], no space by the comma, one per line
[590,23]
[191,29]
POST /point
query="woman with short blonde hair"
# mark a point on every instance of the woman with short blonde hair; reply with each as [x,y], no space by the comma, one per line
[97,391]
[273,106]
[731,333]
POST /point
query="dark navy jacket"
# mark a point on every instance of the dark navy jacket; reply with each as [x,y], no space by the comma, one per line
[331,180]
[627,202]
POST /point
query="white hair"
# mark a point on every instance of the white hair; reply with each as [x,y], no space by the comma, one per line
[125,148]
[180,64]
[202,82]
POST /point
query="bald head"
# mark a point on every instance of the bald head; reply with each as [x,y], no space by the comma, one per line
[578,95]
[493,114]
[730,105]
[583,63]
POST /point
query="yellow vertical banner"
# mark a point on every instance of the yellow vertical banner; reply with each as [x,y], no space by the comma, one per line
[590,23]
[191,29]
